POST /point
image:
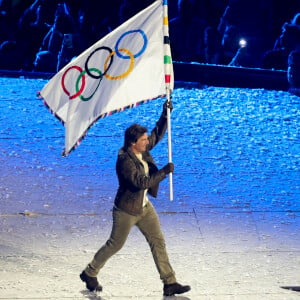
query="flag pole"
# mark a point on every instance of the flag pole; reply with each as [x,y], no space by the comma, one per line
[169,143]
[168,80]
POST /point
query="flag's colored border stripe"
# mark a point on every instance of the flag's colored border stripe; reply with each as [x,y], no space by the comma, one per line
[106,115]
[50,110]
[80,139]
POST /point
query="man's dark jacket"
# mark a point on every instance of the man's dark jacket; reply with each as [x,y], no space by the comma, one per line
[131,173]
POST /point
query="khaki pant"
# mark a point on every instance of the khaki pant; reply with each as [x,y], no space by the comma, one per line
[148,224]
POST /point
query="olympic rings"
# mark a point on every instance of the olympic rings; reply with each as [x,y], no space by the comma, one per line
[96,73]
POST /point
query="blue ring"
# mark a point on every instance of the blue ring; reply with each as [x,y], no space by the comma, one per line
[129,32]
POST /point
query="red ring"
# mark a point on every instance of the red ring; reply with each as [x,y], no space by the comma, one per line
[63,83]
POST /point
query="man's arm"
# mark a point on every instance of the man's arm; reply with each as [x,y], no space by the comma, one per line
[160,128]
[137,179]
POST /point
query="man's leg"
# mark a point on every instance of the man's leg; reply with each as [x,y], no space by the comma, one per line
[150,227]
[122,224]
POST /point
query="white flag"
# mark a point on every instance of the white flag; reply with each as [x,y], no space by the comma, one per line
[122,69]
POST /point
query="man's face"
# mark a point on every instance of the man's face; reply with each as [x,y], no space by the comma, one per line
[140,145]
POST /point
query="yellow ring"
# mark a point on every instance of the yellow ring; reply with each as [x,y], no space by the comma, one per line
[125,73]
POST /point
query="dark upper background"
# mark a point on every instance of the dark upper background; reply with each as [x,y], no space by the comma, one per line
[44,35]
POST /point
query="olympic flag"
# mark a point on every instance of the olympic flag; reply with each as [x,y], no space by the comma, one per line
[126,67]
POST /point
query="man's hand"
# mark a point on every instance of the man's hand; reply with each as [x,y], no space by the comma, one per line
[168,168]
[167,104]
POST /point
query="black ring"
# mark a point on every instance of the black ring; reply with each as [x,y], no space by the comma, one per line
[87,61]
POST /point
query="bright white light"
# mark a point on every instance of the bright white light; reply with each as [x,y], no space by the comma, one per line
[243,43]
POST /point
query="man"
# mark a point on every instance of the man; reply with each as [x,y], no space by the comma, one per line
[138,176]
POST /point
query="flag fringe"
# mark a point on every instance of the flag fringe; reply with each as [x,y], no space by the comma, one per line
[65,153]
[49,108]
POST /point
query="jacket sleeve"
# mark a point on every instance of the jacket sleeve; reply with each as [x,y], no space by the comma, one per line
[158,131]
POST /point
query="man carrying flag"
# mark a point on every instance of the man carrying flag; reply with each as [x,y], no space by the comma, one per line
[130,65]
[138,176]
